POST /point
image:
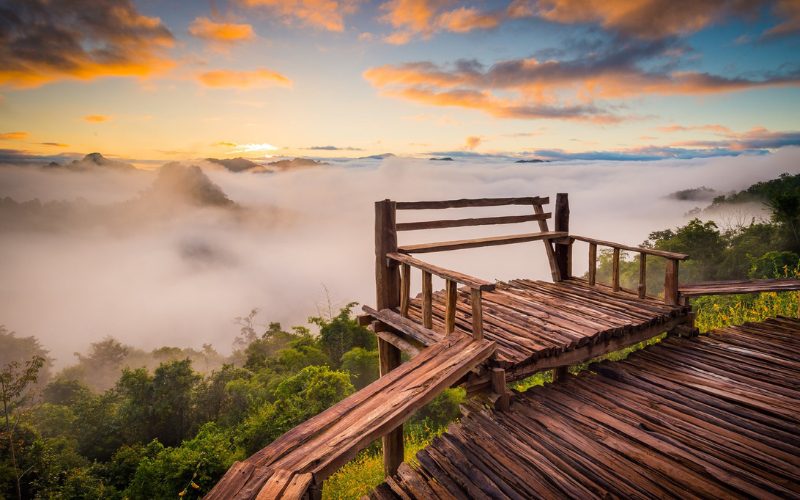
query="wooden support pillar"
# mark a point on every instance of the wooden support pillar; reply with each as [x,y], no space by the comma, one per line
[615,270]
[671,283]
[387,286]
[592,264]
[405,289]
[560,373]
[427,299]
[451,298]
[562,250]
[499,388]
[477,314]
[642,275]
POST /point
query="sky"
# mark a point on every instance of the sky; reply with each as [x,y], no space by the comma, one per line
[157,80]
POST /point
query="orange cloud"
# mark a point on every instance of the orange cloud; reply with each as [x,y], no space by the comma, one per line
[422,18]
[472,142]
[46,41]
[643,18]
[54,144]
[243,79]
[96,118]
[789,13]
[325,14]
[753,139]
[463,20]
[203,27]
[13,136]
[717,129]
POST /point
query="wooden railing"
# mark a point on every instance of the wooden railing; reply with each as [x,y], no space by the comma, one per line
[670,274]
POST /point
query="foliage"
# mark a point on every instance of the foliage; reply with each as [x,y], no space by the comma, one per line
[341,333]
[362,365]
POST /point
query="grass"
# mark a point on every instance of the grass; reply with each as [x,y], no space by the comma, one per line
[716,312]
[359,476]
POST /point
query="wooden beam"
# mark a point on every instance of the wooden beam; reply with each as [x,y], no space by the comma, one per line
[642,275]
[477,314]
[739,286]
[560,374]
[671,283]
[464,203]
[447,274]
[443,246]
[399,342]
[650,251]
[498,377]
[405,288]
[615,270]
[561,224]
[427,299]
[479,221]
[388,297]
[592,264]
[450,310]
[548,246]
[406,326]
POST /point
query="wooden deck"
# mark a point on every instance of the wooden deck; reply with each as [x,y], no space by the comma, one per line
[711,416]
[739,286]
[287,467]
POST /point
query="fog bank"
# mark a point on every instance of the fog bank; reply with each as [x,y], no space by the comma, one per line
[169,270]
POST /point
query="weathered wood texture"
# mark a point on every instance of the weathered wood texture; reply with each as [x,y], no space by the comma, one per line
[441,272]
[466,203]
[709,417]
[561,224]
[628,248]
[325,442]
[532,320]
[443,246]
[478,221]
[743,286]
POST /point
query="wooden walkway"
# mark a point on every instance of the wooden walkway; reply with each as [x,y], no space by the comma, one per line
[530,320]
[740,286]
[288,466]
[711,416]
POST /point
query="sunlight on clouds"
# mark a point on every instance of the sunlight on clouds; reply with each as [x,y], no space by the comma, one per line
[203,27]
[325,14]
[256,78]
[13,136]
[254,148]
[96,118]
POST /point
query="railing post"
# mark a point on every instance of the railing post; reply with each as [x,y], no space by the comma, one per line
[642,275]
[451,297]
[671,283]
[477,314]
[615,270]
[387,285]
[562,250]
[592,263]
[427,299]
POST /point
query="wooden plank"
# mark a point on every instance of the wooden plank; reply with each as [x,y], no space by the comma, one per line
[498,377]
[298,486]
[475,202]
[450,310]
[441,272]
[427,299]
[478,221]
[275,486]
[671,282]
[642,289]
[443,246]
[405,288]
[649,251]
[548,246]
[561,224]
[739,286]
[399,342]
[477,314]
[592,263]
[404,325]
[615,270]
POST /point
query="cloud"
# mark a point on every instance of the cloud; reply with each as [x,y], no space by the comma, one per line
[13,136]
[324,14]
[717,129]
[205,28]
[575,88]
[788,11]
[43,41]
[256,78]
[757,138]
[96,118]
[224,144]
[54,144]
[255,148]
[472,142]
[466,19]
[423,18]
[332,148]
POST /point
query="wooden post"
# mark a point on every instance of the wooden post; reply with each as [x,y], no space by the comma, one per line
[477,314]
[560,373]
[387,285]
[405,289]
[562,250]
[642,275]
[499,387]
[427,299]
[548,246]
[671,283]
[592,264]
[615,270]
[450,307]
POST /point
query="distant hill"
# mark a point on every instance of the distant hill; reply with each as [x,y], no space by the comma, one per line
[188,184]
[701,193]
[381,156]
[785,186]
[236,164]
[295,163]
[444,158]
[531,160]
[93,161]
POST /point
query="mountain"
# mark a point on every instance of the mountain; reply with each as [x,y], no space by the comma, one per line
[444,158]
[381,156]
[94,161]
[532,160]
[295,163]
[236,164]
[188,184]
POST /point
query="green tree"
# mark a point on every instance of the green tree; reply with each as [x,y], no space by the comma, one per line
[15,379]
[362,365]
[341,333]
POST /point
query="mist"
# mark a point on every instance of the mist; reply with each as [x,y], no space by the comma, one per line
[117,253]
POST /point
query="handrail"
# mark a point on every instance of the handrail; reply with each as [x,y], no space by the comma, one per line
[443,246]
[471,202]
[628,248]
[477,221]
[441,272]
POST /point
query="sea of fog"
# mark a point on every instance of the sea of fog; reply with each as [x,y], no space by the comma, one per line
[301,242]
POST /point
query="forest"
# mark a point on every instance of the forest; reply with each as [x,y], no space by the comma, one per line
[125,423]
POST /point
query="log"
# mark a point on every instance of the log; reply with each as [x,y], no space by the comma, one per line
[443,246]
[465,203]
[478,221]
[441,272]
